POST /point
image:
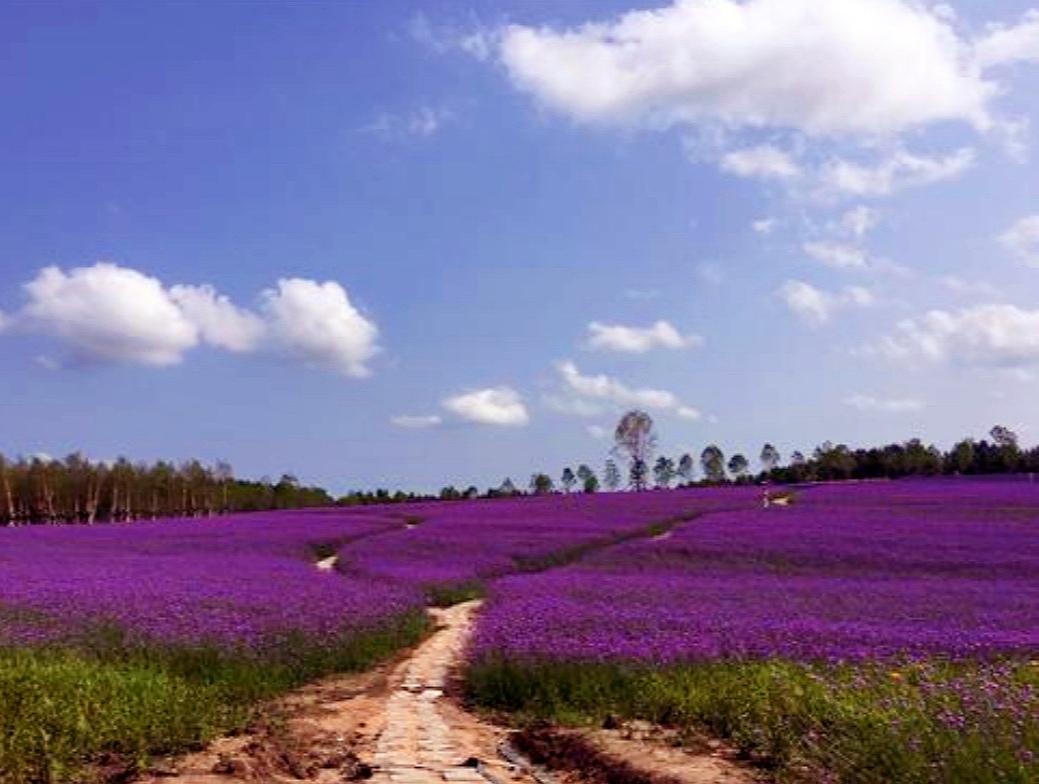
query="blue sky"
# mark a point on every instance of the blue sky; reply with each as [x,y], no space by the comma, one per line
[408,244]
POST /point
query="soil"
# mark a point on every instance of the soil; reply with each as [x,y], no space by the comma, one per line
[399,724]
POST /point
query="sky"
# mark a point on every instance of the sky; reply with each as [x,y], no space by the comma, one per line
[406,244]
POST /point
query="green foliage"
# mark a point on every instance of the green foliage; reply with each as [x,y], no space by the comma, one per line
[448,594]
[61,710]
[916,723]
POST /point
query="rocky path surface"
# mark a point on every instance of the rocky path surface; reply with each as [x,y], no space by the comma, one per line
[425,738]
[397,724]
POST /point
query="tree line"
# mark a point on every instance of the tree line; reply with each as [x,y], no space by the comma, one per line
[40,490]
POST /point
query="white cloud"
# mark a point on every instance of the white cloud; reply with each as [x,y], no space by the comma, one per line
[993,334]
[1010,43]
[859,221]
[598,432]
[588,390]
[836,255]
[317,324]
[410,422]
[500,406]
[765,162]
[897,171]
[815,306]
[573,406]
[1022,239]
[884,405]
[606,388]
[872,67]
[117,314]
[478,43]
[764,225]
[219,321]
[636,340]
[110,313]
[422,122]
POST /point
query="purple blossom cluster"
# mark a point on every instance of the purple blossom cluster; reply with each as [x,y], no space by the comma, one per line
[848,572]
[229,581]
[483,539]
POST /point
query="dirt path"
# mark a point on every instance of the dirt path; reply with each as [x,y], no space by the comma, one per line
[396,725]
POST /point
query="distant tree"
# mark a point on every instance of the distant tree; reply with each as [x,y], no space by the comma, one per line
[664,471]
[507,487]
[686,468]
[589,481]
[712,461]
[611,476]
[960,459]
[541,484]
[449,493]
[738,465]
[568,480]
[638,474]
[769,458]
[635,439]
[1008,452]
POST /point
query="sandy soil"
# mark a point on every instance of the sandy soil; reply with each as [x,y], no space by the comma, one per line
[397,724]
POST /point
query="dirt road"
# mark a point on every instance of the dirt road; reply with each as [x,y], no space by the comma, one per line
[397,725]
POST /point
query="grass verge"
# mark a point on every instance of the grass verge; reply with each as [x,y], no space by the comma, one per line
[917,723]
[65,715]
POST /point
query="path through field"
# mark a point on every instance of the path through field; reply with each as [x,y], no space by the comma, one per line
[398,725]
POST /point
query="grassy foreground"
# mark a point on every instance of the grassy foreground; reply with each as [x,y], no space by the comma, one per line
[917,722]
[62,712]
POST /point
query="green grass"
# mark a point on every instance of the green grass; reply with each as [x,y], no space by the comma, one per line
[449,594]
[62,711]
[925,722]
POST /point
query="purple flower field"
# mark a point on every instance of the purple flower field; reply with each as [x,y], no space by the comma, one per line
[474,540]
[242,580]
[229,581]
[849,572]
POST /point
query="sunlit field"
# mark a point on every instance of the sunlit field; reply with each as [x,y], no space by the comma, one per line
[868,632]
[875,631]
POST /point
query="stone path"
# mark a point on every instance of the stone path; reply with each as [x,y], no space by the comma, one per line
[417,744]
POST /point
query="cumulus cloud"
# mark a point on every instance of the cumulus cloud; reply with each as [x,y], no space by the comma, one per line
[884,405]
[606,388]
[836,255]
[110,313]
[815,306]
[219,322]
[897,171]
[764,162]
[873,67]
[993,334]
[501,406]
[410,422]
[611,390]
[1010,43]
[1022,239]
[636,340]
[317,324]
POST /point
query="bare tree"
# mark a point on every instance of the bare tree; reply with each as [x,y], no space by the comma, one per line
[635,439]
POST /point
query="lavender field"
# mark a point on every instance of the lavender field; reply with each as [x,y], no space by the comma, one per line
[869,632]
[875,631]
